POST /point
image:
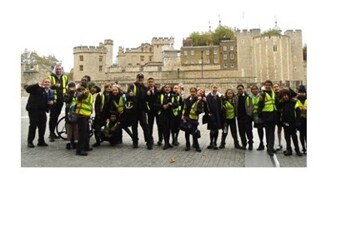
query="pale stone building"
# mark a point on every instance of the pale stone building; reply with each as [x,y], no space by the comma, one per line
[251,57]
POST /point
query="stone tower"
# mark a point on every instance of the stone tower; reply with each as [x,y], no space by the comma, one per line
[108,44]
[159,44]
[90,60]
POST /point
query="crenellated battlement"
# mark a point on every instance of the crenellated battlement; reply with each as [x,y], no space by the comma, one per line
[248,32]
[89,49]
[162,40]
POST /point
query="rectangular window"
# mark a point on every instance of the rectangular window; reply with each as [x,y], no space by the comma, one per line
[100,58]
[185,52]
[100,68]
[81,67]
[224,48]
[225,56]
[150,58]
[81,58]
[215,51]
[192,52]
[274,48]
[207,52]
[215,60]
[231,48]
[232,56]
[142,58]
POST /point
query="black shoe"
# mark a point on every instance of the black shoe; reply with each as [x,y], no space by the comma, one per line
[187,149]
[159,143]
[222,145]
[83,153]
[270,153]
[215,147]
[250,147]
[298,153]
[149,146]
[176,143]
[287,153]
[198,150]
[135,145]
[42,144]
[261,147]
[279,148]
[96,144]
[74,145]
[30,145]
[51,139]
[238,146]
[68,146]
[166,147]
[56,136]
[210,146]
[89,149]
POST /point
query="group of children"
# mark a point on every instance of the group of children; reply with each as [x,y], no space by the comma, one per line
[236,111]
[173,111]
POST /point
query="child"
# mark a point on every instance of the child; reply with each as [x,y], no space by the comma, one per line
[71,126]
[258,122]
[193,106]
[302,103]
[290,116]
[229,119]
[111,131]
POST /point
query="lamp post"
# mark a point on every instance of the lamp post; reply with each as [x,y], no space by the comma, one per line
[202,61]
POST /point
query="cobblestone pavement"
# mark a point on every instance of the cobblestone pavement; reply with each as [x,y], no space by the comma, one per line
[56,155]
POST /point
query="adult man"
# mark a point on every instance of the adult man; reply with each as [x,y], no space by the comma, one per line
[153,94]
[58,84]
[268,114]
[38,104]
[137,93]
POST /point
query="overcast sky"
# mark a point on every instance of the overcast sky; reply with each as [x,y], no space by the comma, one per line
[68,23]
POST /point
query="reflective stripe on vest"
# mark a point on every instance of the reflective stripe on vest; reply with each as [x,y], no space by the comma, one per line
[255,102]
[119,106]
[269,102]
[303,108]
[64,83]
[230,110]
[102,101]
[177,110]
[193,112]
[162,101]
[85,106]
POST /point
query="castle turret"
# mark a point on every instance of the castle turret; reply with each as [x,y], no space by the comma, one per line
[108,43]
[159,44]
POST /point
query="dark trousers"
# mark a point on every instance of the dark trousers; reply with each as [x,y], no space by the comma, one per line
[37,119]
[151,116]
[55,112]
[302,133]
[166,125]
[97,125]
[245,128]
[291,132]
[84,134]
[195,139]
[230,124]
[140,116]
[270,135]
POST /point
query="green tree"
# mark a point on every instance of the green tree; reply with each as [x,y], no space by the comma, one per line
[223,32]
[271,32]
[205,38]
[32,58]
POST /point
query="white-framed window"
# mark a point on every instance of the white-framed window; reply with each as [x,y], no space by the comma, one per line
[81,58]
[225,56]
[192,52]
[231,48]
[185,52]
[207,52]
[224,48]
